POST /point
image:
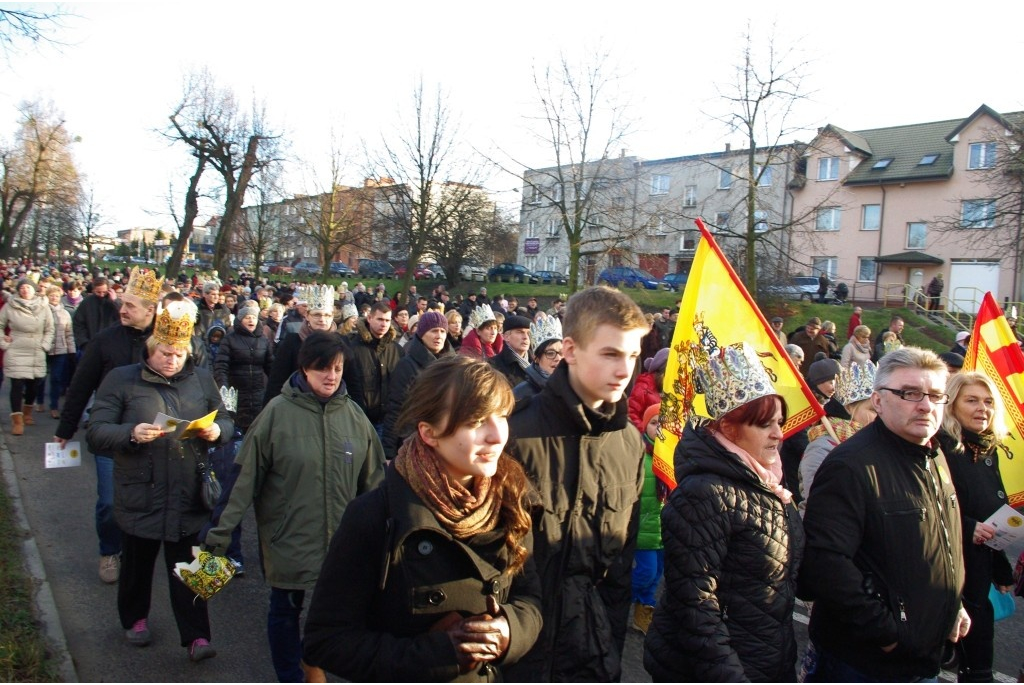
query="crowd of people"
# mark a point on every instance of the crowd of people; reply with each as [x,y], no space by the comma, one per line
[461,488]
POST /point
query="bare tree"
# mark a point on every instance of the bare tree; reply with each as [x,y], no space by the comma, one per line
[471,226]
[186,222]
[36,168]
[236,145]
[759,104]
[422,177]
[27,23]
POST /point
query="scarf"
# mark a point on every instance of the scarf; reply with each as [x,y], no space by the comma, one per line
[461,512]
[772,478]
[863,349]
[844,428]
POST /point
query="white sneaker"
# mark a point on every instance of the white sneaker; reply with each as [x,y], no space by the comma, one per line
[110,568]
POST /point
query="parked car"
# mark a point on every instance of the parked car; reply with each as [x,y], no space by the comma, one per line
[674,282]
[307,269]
[375,268]
[627,276]
[471,271]
[279,268]
[552,277]
[797,288]
[513,273]
[342,269]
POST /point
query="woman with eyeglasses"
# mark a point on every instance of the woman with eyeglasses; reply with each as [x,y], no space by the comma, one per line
[546,336]
[973,428]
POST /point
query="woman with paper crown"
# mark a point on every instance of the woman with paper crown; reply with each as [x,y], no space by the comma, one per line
[319,317]
[851,411]
[482,340]
[430,577]
[733,538]
[157,499]
[546,338]
[973,427]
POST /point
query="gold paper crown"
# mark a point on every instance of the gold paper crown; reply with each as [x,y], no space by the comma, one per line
[855,383]
[265,302]
[320,298]
[480,315]
[144,285]
[733,377]
[174,324]
[545,329]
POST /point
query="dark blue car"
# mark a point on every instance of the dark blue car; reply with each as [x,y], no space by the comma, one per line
[628,277]
[674,282]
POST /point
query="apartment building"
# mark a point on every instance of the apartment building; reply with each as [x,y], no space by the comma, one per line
[637,212]
[887,208]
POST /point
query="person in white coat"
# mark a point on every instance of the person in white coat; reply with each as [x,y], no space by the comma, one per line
[30,336]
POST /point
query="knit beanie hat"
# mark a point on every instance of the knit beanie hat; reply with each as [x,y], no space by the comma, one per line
[821,371]
[251,308]
[430,320]
[657,362]
[649,413]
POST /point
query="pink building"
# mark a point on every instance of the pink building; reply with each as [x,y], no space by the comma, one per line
[886,208]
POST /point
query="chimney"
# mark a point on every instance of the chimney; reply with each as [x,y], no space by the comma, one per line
[728,147]
[622,153]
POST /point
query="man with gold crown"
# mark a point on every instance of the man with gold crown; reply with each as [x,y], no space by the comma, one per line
[112,347]
[158,474]
[319,305]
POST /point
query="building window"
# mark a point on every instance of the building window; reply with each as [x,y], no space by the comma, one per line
[618,202]
[556,193]
[552,262]
[828,168]
[533,196]
[659,184]
[828,219]
[872,218]
[690,196]
[531,229]
[882,163]
[658,225]
[721,220]
[917,235]
[928,160]
[982,156]
[867,270]
[530,262]
[553,228]
[763,175]
[760,221]
[979,213]
[827,264]
[724,179]
[688,240]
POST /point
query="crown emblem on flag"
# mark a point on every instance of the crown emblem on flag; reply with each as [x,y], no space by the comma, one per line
[174,324]
[480,315]
[229,396]
[545,329]
[732,377]
[144,285]
[855,383]
[320,298]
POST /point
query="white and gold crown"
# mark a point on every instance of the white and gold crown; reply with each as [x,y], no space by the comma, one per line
[174,324]
[733,377]
[544,329]
[480,315]
[229,396]
[265,302]
[320,298]
[348,310]
[144,285]
[301,294]
[855,383]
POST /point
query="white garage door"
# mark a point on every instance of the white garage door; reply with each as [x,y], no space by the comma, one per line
[968,283]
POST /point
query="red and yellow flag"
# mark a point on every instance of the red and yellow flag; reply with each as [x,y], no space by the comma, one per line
[993,350]
[717,311]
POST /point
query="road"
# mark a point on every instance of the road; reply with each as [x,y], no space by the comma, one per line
[58,505]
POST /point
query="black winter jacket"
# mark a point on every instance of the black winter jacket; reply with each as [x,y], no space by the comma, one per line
[883,562]
[415,358]
[533,384]
[505,362]
[588,469]
[115,346]
[286,359]
[392,573]
[732,550]
[156,486]
[368,374]
[93,315]
[243,362]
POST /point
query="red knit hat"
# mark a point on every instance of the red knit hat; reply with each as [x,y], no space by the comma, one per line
[650,413]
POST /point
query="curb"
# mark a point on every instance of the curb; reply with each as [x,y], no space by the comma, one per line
[46,606]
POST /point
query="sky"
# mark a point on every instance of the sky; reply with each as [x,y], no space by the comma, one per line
[349,69]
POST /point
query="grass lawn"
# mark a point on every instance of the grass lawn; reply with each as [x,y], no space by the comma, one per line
[23,653]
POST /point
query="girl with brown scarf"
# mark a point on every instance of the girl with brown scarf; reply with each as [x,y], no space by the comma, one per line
[430,578]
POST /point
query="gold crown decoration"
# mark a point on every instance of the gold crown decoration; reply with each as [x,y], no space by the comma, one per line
[480,315]
[144,285]
[732,377]
[320,298]
[855,383]
[229,396]
[207,574]
[265,302]
[544,329]
[174,324]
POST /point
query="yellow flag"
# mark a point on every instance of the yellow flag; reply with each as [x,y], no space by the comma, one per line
[717,311]
[993,350]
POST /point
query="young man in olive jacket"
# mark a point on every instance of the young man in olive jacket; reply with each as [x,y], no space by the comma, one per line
[883,561]
[585,458]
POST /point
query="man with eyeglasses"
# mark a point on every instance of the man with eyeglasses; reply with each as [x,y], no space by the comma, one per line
[883,561]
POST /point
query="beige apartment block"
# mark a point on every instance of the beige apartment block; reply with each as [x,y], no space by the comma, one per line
[888,208]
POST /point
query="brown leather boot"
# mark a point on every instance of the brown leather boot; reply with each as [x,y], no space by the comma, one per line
[27,409]
[17,423]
